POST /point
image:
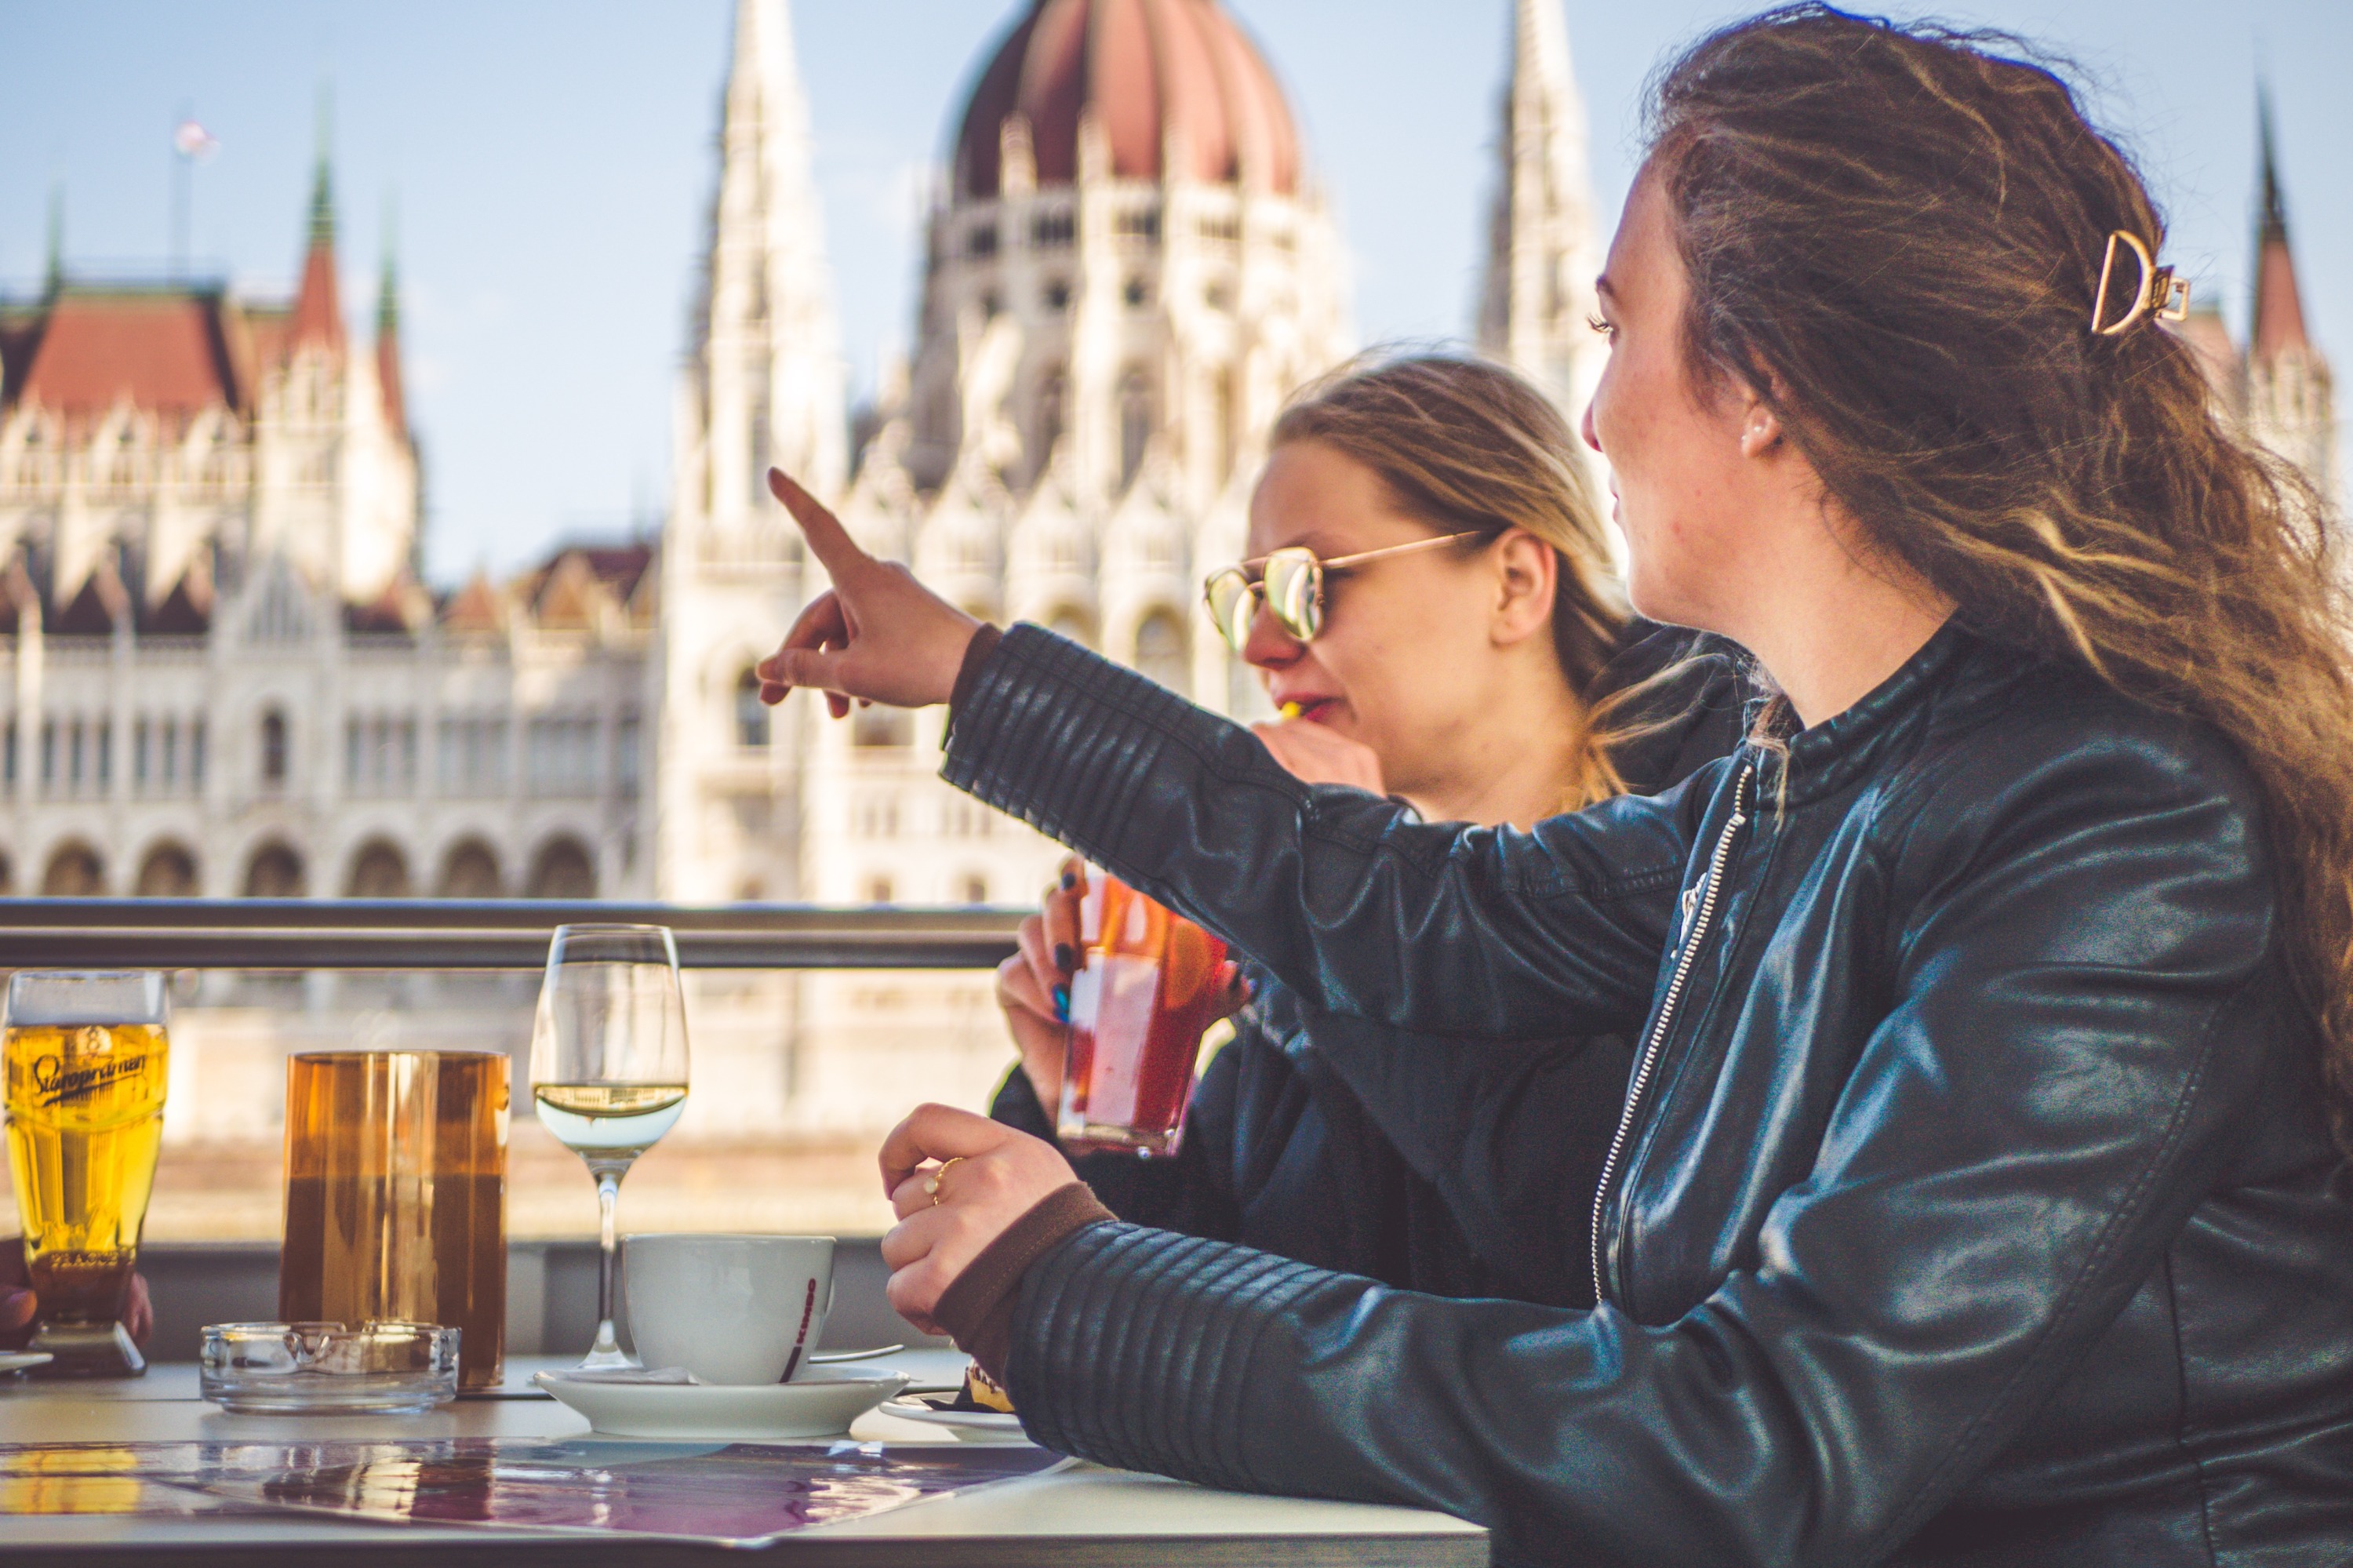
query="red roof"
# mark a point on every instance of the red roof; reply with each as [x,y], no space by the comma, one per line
[161,349]
[1141,69]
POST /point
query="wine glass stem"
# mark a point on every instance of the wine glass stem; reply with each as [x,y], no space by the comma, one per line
[609,1198]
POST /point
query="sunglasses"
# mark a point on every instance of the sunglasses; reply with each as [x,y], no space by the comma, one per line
[1290,583]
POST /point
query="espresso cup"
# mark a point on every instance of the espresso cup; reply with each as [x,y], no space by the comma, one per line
[729,1309]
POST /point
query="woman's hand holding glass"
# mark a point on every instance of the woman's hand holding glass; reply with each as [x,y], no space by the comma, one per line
[19,1305]
[1033,986]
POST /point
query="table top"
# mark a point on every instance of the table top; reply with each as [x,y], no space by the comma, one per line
[1082,1514]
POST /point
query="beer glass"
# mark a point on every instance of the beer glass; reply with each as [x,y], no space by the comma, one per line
[87,1061]
[609,1068]
[396,1196]
[1138,1007]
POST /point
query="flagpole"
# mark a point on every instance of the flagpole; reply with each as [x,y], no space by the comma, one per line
[183,173]
[191,146]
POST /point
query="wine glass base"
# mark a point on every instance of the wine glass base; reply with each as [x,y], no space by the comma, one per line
[606,1360]
[87,1350]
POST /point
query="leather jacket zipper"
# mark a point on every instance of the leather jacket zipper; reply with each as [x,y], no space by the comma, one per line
[1698,924]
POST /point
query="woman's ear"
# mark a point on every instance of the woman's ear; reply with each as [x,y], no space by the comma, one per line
[1760,427]
[1527,575]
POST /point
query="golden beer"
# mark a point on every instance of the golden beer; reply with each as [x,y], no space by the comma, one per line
[395,1195]
[85,1063]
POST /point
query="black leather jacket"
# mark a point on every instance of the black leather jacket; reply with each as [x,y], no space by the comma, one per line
[1974,1203]
[1481,1183]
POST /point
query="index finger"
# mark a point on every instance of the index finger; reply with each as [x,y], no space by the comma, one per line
[827,539]
[935,1132]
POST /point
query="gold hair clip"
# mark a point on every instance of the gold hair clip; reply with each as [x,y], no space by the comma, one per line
[2159,295]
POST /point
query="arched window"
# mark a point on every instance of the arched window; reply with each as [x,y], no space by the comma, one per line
[878,890]
[751,713]
[378,871]
[1160,651]
[471,870]
[168,871]
[881,727]
[74,872]
[561,869]
[273,751]
[975,888]
[1135,426]
[274,872]
[1072,622]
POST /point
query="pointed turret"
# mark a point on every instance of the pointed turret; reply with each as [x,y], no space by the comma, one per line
[318,307]
[2289,398]
[1542,258]
[388,343]
[774,385]
[2278,315]
[54,273]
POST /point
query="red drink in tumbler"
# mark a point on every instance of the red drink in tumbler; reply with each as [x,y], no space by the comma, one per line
[1147,989]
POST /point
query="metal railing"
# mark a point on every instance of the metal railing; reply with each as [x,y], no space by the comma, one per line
[479,934]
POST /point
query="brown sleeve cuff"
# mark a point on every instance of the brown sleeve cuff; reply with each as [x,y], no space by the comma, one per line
[977,1309]
[975,654]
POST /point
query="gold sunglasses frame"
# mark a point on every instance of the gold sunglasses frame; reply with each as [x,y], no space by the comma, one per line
[1301,615]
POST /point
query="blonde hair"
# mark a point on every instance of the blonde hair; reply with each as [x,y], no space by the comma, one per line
[1465,444]
[1893,233]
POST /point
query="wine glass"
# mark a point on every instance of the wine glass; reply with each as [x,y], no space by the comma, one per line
[609,1067]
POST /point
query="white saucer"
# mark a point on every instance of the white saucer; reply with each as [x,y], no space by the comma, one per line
[18,1361]
[960,1420]
[809,1407]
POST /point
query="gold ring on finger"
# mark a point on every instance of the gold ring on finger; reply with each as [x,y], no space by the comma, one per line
[932,1183]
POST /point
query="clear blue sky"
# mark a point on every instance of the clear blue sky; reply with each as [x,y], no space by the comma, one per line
[552,162]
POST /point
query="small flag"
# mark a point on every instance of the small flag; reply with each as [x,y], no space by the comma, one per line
[193,142]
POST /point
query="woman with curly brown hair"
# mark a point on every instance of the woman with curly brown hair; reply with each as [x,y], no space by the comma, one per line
[1975,1198]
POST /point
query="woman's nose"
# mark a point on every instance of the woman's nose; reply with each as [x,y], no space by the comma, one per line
[1585,428]
[1269,646]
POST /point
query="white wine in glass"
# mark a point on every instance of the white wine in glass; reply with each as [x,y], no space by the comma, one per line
[609,1067]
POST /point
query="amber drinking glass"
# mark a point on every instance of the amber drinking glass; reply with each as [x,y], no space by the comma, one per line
[396,1197]
[87,1060]
[1138,1006]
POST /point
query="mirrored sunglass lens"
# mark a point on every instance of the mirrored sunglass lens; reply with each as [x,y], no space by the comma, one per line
[1294,591]
[1229,596]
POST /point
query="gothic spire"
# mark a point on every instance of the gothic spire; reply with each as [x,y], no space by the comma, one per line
[55,271]
[387,334]
[774,382]
[318,308]
[1542,258]
[2278,314]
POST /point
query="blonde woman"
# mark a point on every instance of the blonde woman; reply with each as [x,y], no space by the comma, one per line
[1465,658]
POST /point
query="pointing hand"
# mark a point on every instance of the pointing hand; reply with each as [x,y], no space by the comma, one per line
[876,635]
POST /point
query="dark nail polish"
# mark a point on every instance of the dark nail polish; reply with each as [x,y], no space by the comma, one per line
[1062,1005]
[1064,959]
[1070,880]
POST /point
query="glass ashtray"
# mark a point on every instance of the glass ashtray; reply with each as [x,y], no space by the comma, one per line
[324,1368]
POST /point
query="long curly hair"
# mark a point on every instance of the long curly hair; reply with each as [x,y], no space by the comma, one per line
[1893,233]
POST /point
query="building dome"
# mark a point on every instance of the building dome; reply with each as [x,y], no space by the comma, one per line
[1145,70]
